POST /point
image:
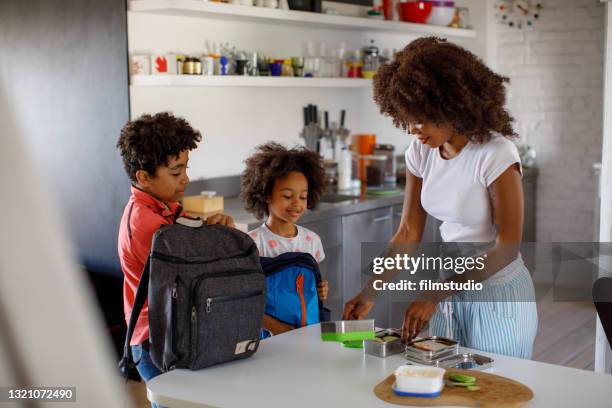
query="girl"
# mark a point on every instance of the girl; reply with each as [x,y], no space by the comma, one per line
[281,183]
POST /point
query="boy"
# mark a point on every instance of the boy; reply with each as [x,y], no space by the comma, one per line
[155,152]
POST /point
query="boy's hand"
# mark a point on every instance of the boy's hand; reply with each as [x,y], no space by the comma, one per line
[222,219]
[322,290]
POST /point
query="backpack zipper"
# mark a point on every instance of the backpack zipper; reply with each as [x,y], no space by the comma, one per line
[193,335]
[199,279]
[299,285]
[227,298]
[174,295]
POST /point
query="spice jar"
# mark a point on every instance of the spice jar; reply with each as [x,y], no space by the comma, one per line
[197,66]
[287,68]
[188,66]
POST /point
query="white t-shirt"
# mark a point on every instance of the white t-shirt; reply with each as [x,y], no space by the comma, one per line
[271,244]
[455,191]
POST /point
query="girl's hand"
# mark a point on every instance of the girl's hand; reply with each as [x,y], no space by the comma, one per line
[416,318]
[358,307]
[275,326]
[323,289]
[222,219]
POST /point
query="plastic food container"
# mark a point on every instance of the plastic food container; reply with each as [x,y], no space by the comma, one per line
[347,330]
[442,13]
[416,381]
[415,11]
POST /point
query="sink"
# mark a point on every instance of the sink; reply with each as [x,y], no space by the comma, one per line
[337,198]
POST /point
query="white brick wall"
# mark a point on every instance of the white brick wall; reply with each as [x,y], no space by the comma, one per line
[556,98]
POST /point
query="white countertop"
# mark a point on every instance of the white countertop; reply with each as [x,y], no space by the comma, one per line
[297,369]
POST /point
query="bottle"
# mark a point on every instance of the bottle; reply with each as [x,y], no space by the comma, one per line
[344,170]
[371,60]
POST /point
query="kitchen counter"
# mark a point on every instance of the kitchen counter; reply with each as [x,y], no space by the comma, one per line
[235,207]
[297,369]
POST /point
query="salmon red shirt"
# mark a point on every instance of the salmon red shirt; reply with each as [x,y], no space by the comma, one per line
[142,217]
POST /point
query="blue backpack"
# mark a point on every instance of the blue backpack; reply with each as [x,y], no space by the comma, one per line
[291,294]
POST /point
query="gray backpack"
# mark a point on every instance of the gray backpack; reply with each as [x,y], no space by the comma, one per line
[206,294]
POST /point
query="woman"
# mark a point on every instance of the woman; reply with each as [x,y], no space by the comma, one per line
[463,170]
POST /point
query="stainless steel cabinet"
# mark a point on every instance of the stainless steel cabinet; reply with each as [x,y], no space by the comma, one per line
[369,226]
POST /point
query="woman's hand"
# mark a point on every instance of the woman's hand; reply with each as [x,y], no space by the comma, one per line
[358,307]
[323,290]
[416,318]
[222,219]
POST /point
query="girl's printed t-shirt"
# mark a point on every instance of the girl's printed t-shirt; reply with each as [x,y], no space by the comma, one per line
[272,245]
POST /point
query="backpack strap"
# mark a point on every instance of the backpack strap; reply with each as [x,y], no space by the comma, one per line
[127,363]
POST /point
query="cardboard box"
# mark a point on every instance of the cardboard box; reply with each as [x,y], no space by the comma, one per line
[202,205]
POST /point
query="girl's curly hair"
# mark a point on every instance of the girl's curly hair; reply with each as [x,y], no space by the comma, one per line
[432,80]
[147,142]
[273,161]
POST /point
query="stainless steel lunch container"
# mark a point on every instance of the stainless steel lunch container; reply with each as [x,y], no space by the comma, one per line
[413,353]
[347,330]
[466,361]
[384,349]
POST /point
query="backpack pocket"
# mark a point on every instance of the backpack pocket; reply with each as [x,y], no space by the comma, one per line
[292,297]
[226,315]
[176,342]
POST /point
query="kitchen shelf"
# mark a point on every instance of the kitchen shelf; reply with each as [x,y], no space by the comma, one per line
[242,81]
[200,8]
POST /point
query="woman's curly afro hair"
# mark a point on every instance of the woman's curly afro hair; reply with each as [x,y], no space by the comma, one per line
[148,142]
[273,161]
[432,80]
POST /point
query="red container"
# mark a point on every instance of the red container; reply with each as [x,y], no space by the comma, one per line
[416,11]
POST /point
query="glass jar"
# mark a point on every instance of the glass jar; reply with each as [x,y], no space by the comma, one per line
[371,60]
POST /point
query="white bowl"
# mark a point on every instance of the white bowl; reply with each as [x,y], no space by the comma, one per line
[441,15]
[419,380]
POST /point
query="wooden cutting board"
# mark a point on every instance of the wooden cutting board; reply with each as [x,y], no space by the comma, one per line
[495,391]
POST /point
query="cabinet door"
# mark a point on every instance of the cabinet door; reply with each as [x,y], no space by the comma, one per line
[368,226]
[330,232]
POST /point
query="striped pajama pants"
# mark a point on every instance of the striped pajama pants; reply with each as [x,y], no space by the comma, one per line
[501,319]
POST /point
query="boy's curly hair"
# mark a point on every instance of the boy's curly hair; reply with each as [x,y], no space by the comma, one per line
[147,142]
[273,161]
[432,80]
